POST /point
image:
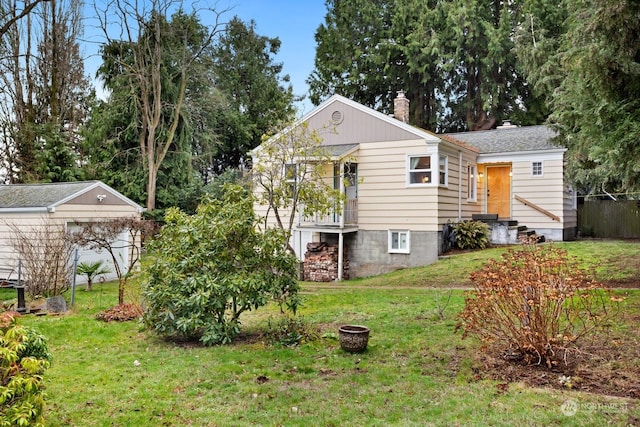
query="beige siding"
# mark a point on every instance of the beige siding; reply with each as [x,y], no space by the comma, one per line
[453,202]
[93,212]
[385,201]
[545,191]
[25,221]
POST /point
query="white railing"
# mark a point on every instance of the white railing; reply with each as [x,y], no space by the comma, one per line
[350,214]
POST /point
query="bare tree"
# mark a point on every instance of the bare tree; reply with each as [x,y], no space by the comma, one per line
[106,235]
[45,253]
[292,174]
[43,91]
[12,15]
[136,29]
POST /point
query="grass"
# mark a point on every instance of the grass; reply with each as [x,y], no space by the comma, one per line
[416,370]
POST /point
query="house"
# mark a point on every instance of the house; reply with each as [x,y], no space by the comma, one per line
[405,184]
[31,208]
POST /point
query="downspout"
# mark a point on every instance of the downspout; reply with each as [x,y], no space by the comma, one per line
[459,185]
[341,235]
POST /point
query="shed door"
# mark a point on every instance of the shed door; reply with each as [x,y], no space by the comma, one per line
[499,191]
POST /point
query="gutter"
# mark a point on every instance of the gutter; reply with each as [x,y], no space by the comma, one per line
[39,209]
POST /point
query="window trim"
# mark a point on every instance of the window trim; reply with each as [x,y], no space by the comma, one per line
[472,183]
[445,171]
[411,170]
[533,168]
[290,182]
[399,250]
[438,166]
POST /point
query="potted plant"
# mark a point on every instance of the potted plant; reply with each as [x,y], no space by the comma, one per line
[353,338]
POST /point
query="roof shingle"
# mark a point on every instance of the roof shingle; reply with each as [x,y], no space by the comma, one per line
[509,140]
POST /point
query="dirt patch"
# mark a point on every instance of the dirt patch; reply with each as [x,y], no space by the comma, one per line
[626,283]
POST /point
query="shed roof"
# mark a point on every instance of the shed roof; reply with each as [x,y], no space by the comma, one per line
[510,139]
[340,150]
[17,196]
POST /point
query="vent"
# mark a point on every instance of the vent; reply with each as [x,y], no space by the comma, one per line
[337,117]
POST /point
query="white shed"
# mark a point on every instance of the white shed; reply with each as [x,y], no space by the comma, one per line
[30,207]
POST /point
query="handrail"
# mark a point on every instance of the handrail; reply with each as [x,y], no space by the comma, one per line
[536,207]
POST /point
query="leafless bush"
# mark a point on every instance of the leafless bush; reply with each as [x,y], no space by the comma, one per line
[45,253]
[105,235]
[535,304]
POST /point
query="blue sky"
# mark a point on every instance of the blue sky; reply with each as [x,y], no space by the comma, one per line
[294,22]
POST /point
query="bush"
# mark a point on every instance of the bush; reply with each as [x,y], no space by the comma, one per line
[23,359]
[213,266]
[471,235]
[289,331]
[120,313]
[535,303]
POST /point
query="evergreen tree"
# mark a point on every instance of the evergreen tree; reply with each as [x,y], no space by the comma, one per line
[584,57]
[454,59]
[255,95]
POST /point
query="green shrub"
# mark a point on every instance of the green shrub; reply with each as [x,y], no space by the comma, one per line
[535,303]
[212,266]
[587,230]
[289,331]
[471,235]
[23,359]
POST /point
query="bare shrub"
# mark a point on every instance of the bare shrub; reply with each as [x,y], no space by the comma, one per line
[45,253]
[536,304]
[105,235]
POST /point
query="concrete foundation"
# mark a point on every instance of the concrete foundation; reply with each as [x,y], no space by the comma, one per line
[369,252]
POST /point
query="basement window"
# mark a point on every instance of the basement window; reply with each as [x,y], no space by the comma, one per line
[399,241]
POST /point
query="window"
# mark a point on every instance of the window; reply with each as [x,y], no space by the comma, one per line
[471,182]
[420,170]
[290,175]
[399,242]
[443,170]
[536,168]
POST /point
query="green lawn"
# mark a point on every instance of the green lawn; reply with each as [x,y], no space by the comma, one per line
[416,370]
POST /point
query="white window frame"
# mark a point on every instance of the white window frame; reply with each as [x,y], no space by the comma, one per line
[290,181]
[400,250]
[415,170]
[439,170]
[472,183]
[443,170]
[534,168]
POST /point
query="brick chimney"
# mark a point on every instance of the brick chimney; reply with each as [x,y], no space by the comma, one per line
[401,107]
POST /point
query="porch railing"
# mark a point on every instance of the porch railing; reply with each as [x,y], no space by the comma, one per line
[350,214]
[538,208]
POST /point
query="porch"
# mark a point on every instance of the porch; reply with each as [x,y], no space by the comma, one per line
[346,218]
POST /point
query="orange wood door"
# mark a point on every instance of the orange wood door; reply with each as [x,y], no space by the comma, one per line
[499,191]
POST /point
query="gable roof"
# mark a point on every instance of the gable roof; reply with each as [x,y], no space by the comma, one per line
[510,139]
[394,128]
[47,196]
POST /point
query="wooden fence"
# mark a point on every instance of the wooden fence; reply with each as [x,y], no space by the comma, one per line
[609,219]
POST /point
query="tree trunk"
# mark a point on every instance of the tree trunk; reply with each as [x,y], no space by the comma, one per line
[121,292]
[151,188]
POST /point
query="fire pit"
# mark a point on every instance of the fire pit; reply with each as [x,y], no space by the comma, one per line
[353,338]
